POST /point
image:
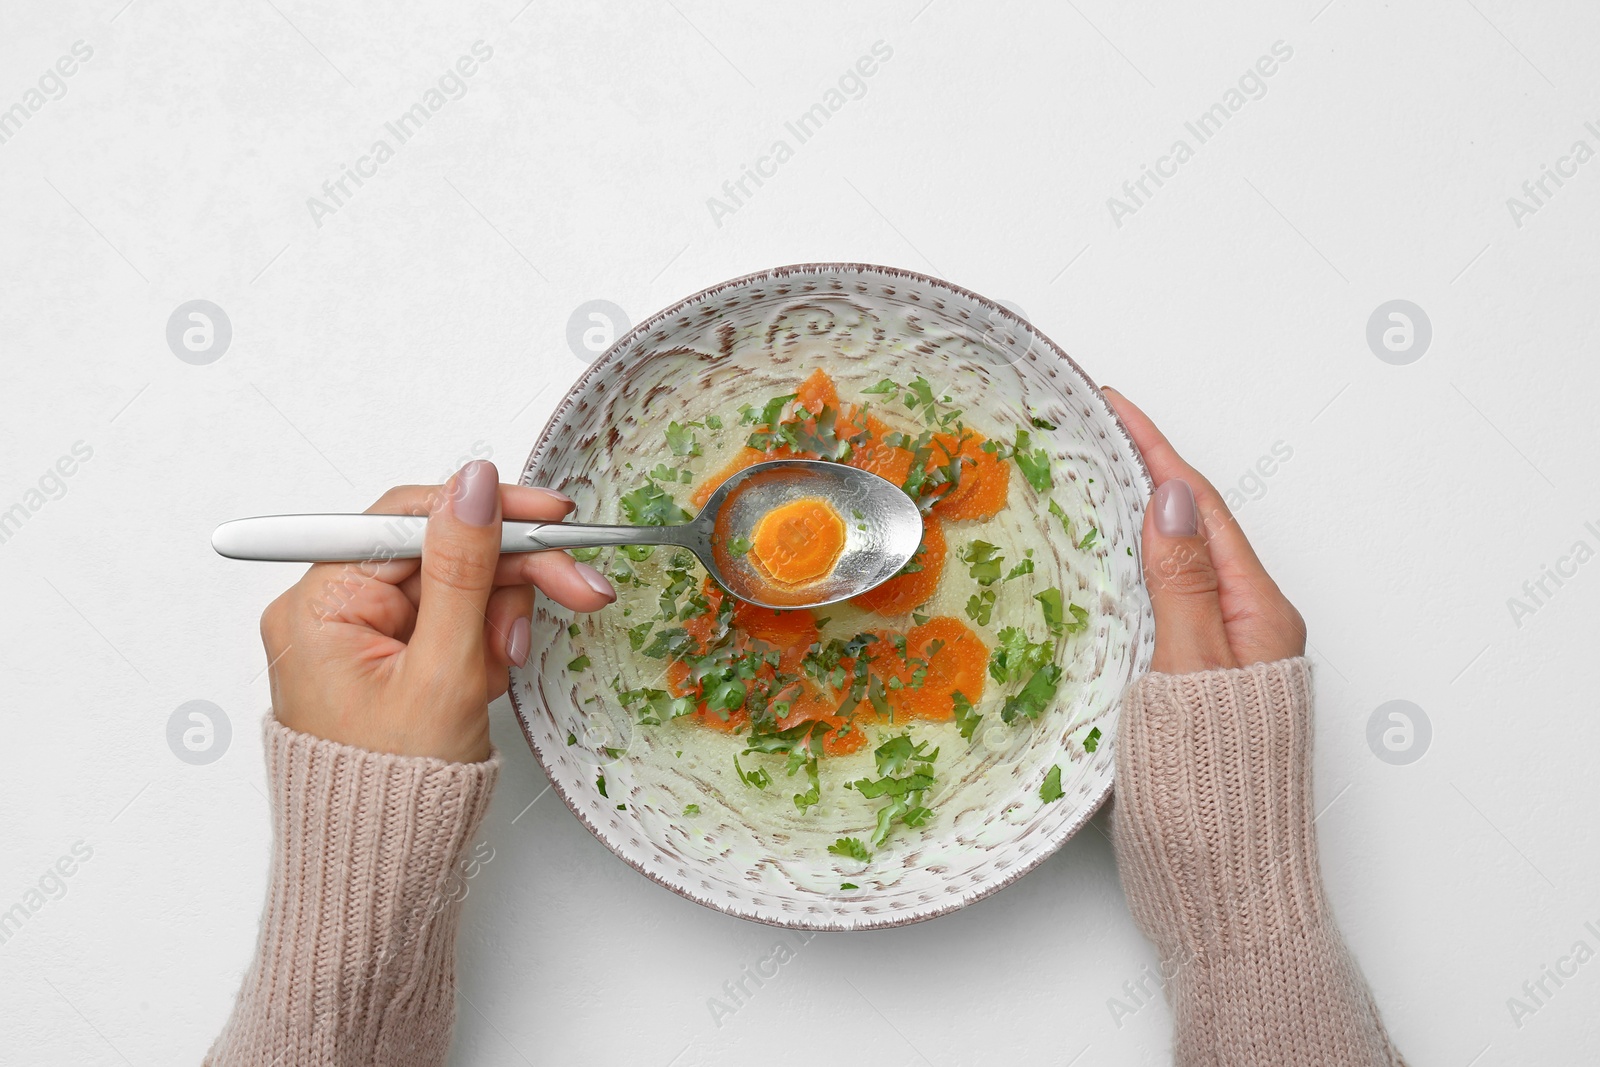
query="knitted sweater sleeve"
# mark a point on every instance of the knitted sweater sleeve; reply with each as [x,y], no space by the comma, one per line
[1212,826]
[356,960]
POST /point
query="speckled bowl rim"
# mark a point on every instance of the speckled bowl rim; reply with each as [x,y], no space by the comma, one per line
[1051,844]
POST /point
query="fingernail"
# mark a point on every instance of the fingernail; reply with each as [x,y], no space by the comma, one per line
[475,492]
[1174,507]
[560,498]
[518,642]
[597,581]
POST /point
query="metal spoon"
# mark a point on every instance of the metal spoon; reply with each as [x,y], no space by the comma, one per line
[883,530]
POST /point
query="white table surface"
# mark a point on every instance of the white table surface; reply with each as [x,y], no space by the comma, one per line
[425,319]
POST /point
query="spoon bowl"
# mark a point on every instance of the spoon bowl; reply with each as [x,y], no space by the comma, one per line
[882,531]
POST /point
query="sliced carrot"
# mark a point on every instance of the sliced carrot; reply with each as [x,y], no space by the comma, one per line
[887,461]
[905,591]
[812,704]
[798,541]
[980,492]
[745,457]
[817,392]
[791,632]
[959,664]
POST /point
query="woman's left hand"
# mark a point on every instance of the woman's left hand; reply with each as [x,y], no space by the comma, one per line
[404,656]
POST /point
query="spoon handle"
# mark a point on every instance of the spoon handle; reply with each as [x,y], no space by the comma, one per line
[340,538]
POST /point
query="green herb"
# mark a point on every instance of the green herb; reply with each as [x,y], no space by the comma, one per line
[584,555]
[1051,789]
[848,885]
[651,505]
[894,754]
[1055,613]
[681,440]
[966,717]
[980,606]
[904,792]
[1015,657]
[884,388]
[983,561]
[1034,463]
[812,795]
[1092,742]
[1035,696]
[1050,601]
[667,642]
[656,706]
[1025,567]
[691,810]
[920,620]
[850,848]
[759,778]
[637,634]
[1041,424]
[1089,538]
[622,807]
[572,739]
[579,664]
[768,415]
[739,546]
[573,631]
[600,784]
[1055,509]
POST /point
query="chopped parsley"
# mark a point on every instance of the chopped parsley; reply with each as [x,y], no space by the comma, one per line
[600,784]
[966,717]
[1092,742]
[850,848]
[1051,789]
[681,440]
[984,562]
[651,505]
[579,664]
[758,778]
[980,606]
[1034,696]
[691,810]
[738,546]
[1015,657]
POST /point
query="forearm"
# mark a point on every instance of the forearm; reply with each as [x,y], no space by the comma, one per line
[1217,853]
[356,960]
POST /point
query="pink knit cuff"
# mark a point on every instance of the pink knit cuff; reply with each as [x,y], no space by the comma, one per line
[1213,803]
[1212,824]
[356,958]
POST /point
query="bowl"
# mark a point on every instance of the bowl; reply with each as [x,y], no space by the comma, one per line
[665,797]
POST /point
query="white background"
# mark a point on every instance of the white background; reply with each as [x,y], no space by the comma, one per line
[427,317]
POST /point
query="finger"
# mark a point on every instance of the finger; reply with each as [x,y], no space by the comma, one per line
[459,557]
[1228,542]
[507,636]
[558,576]
[1190,632]
[531,503]
[1263,625]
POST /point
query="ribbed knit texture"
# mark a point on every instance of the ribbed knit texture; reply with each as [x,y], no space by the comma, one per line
[1213,831]
[356,961]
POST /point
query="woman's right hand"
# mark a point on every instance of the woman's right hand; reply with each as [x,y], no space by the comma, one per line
[1215,605]
[404,656]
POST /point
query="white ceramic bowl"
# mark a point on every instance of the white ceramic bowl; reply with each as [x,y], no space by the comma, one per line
[753,855]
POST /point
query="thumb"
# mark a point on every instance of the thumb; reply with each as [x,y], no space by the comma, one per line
[1190,633]
[459,554]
